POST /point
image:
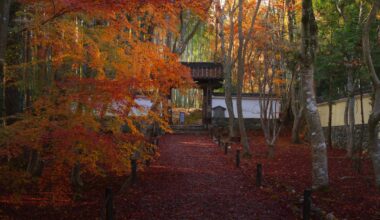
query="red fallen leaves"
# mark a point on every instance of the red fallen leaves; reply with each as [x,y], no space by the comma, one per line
[191,180]
[350,195]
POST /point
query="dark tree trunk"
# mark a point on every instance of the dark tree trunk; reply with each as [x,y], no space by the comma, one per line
[297,105]
[4,21]
[33,161]
[228,99]
[76,179]
[296,129]
[271,150]
[240,79]
[350,114]
[329,128]
[374,142]
[296,101]
[358,150]
[227,63]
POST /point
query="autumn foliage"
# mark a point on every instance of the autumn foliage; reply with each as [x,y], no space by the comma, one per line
[87,63]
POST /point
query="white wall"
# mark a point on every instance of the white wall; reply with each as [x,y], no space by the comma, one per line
[251,106]
[143,103]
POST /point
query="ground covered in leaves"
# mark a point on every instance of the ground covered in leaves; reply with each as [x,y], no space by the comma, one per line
[193,179]
[351,195]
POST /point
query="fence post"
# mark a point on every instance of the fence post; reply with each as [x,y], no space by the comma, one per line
[134,170]
[306,204]
[109,204]
[259,175]
[237,158]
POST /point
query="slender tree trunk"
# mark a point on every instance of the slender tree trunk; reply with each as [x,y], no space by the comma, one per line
[297,110]
[317,139]
[76,179]
[216,38]
[357,157]
[240,79]
[271,149]
[296,128]
[4,16]
[33,161]
[374,142]
[4,21]
[228,99]
[296,100]
[227,61]
[360,147]
[350,114]
[329,128]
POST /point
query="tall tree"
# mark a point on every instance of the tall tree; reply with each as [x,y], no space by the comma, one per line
[373,121]
[348,54]
[4,16]
[309,31]
[242,52]
[228,58]
[266,64]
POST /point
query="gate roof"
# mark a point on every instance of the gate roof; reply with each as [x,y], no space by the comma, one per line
[205,70]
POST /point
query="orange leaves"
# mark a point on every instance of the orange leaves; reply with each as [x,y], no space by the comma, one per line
[100,57]
[269,46]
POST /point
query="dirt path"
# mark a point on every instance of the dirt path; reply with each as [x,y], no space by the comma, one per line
[192,179]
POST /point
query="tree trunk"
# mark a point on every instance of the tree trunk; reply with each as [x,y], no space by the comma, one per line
[228,99]
[216,38]
[4,20]
[296,129]
[240,79]
[271,150]
[227,63]
[33,162]
[374,142]
[329,128]
[297,110]
[357,156]
[4,16]
[76,179]
[296,101]
[350,112]
[317,139]
[291,19]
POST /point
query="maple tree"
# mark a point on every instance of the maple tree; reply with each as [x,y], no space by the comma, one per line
[266,71]
[84,89]
[234,38]
[85,67]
